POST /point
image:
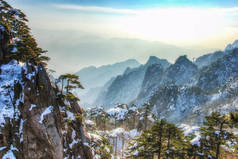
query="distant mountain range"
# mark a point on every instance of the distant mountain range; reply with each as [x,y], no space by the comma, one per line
[93,78]
[185,91]
[127,86]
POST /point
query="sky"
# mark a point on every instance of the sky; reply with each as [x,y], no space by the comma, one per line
[80,33]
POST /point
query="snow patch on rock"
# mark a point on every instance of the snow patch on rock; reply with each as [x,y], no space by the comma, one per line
[11,74]
[47,111]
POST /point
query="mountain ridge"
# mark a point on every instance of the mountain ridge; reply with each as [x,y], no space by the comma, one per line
[111,70]
[134,80]
[174,90]
[102,74]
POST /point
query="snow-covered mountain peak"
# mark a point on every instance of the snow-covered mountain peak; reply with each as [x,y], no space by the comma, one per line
[232,46]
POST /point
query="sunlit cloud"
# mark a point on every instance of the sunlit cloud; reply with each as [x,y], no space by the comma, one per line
[217,11]
[94,9]
[166,24]
[81,34]
[179,26]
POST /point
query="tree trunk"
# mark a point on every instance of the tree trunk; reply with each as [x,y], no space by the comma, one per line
[67,86]
[159,151]
[104,124]
[62,86]
[123,144]
[116,147]
[145,121]
[219,143]
[168,146]
[113,145]
[218,151]
[134,121]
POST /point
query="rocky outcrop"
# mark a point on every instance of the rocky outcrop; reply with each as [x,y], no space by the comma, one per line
[102,74]
[212,88]
[232,46]
[152,78]
[158,76]
[219,72]
[36,121]
[42,127]
[125,88]
[181,71]
[155,60]
[207,59]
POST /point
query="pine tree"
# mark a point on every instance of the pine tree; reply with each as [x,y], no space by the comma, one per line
[144,116]
[132,116]
[215,134]
[99,116]
[158,131]
[21,45]
[68,83]
[234,118]
[121,120]
[164,138]
[143,147]
[72,82]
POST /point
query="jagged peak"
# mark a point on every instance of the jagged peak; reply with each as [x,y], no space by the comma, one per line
[156,60]
[232,46]
[132,61]
[128,69]
[183,60]
[152,59]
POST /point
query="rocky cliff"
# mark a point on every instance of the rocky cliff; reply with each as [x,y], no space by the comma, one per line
[102,74]
[36,122]
[126,87]
[204,91]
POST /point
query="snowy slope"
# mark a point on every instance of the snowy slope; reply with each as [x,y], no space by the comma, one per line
[11,74]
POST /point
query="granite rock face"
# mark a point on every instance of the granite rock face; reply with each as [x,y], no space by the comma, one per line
[36,122]
[206,90]
[126,87]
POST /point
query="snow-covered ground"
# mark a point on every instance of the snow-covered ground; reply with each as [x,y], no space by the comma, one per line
[119,139]
[11,74]
[189,130]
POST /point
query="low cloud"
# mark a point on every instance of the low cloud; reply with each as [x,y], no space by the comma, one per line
[70,51]
[171,10]
[94,9]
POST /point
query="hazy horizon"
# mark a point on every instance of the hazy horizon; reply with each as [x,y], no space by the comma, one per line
[82,33]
